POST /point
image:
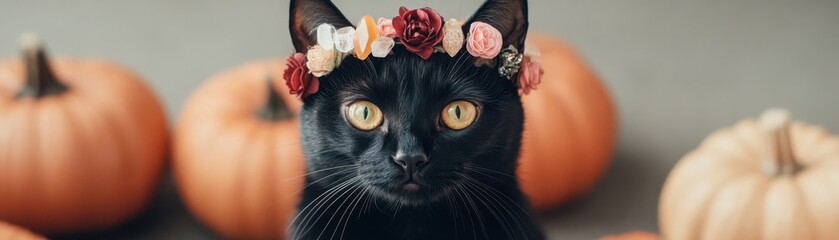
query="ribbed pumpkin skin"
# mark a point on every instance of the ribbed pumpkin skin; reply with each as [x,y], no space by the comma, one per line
[238,173]
[720,190]
[12,232]
[86,159]
[570,128]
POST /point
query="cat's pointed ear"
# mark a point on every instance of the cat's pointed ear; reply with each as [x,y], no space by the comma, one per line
[306,15]
[508,16]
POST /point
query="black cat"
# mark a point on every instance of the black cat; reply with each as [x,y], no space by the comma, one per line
[407,148]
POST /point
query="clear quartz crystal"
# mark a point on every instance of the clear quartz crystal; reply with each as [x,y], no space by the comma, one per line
[326,34]
[344,39]
[381,46]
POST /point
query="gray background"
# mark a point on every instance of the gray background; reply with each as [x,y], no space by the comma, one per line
[677,70]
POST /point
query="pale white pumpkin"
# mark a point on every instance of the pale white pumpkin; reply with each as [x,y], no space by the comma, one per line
[770,178]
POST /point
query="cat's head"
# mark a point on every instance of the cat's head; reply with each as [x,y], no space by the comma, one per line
[407,129]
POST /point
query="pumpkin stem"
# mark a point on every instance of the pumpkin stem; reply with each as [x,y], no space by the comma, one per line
[40,80]
[275,108]
[780,157]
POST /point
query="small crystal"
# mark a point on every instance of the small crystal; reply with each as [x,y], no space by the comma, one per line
[381,46]
[344,39]
[326,33]
[532,51]
[361,37]
[452,37]
[365,34]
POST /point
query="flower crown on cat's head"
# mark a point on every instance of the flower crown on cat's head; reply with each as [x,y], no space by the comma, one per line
[422,31]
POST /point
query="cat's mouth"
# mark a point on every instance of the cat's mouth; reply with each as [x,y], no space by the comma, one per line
[411,186]
[409,192]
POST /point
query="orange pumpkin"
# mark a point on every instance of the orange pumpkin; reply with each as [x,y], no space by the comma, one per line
[238,162]
[82,142]
[12,232]
[771,178]
[636,235]
[570,128]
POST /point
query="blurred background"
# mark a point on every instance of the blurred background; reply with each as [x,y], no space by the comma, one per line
[677,70]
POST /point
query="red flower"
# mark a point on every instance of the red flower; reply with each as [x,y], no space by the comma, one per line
[420,30]
[297,77]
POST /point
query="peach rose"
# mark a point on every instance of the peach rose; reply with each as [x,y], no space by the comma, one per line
[484,40]
[320,61]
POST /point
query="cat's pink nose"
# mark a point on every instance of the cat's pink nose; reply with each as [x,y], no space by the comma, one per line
[411,163]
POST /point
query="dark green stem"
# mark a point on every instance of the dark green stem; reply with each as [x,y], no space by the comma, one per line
[40,80]
[274,109]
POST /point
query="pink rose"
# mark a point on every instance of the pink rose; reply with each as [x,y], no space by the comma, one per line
[484,41]
[530,75]
[386,28]
[297,77]
[419,29]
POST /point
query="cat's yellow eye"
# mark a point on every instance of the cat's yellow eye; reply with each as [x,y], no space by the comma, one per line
[364,115]
[459,114]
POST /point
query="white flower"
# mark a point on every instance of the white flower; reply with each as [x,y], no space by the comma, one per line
[320,61]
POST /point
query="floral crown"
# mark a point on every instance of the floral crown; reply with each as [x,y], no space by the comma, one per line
[422,31]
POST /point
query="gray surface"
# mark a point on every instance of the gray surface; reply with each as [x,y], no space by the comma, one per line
[677,69]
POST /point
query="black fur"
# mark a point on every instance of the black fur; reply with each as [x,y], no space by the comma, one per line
[355,190]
